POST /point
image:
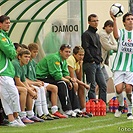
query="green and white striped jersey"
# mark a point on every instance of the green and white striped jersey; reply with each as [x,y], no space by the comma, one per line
[124,57]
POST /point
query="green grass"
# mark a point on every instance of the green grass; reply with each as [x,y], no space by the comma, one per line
[97,124]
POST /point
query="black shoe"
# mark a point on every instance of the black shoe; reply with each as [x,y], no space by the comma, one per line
[120,108]
[46,117]
[88,114]
[55,117]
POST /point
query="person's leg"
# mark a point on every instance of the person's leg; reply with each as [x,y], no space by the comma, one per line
[54,94]
[119,85]
[100,79]
[10,100]
[52,87]
[38,102]
[81,94]
[74,97]
[90,71]
[128,87]
[22,98]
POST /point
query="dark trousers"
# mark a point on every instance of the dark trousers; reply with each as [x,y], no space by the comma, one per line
[95,75]
[62,93]
[74,99]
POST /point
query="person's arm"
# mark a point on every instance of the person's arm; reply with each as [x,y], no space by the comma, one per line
[8,50]
[115,29]
[36,83]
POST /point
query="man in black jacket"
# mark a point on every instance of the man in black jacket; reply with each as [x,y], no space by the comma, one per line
[92,59]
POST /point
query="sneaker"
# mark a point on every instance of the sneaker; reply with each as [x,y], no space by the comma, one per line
[58,114]
[53,116]
[14,124]
[46,117]
[20,121]
[117,113]
[36,119]
[88,114]
[129,116]
[26,120]
[70,113]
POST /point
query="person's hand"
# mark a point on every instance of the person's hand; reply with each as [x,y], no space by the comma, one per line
[73,80]
[38,83]
[70,86]
[112,16]
[87,86]
[33,93]
[81,62]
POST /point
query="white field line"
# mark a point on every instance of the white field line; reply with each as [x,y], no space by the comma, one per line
[98,127]
[59,127]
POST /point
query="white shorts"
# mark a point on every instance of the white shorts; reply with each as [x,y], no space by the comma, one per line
[123,77]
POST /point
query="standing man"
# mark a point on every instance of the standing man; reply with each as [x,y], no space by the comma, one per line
[108,43]
[8,91]
[92,59]
[123,63]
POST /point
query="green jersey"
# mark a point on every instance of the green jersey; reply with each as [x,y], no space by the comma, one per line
[7,53]
[30,72]
[124,56]
[52,66]
[19,70]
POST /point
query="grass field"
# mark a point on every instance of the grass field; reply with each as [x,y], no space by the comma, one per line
[97,124]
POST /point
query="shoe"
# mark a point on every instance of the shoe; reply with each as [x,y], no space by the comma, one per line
[53,116]
[129,116]
[88,114]
[36,119]
[26,120]
[20,121]
[15,124]
[117,113]
[5,122]
[78,114]
[58,114]
[70,113]
[46,117]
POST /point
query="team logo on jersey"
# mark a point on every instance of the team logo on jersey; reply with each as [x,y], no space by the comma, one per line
[4,39]
[57,63]
[129,40]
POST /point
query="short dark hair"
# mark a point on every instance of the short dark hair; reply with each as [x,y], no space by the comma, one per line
[90,16]
[63,46]
[126,15]
[3,18]
[108,23]
[17,45]
[77,49]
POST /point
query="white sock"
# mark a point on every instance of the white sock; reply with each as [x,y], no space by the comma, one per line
[120,98]
[54,109]
[44,101]
[83,110]
[30,113]
[129,103]
[22,114]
